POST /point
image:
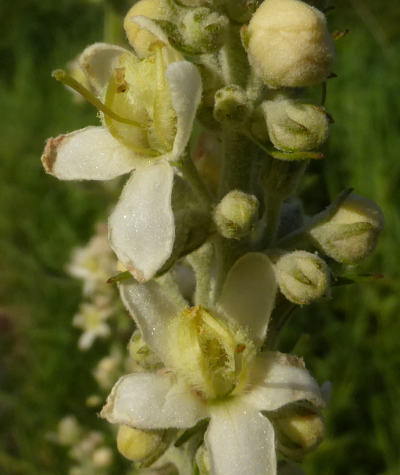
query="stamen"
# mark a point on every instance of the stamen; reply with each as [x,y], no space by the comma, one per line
[61,76]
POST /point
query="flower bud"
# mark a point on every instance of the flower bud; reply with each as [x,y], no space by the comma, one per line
[236,214]
[293,126]
[289,44]
[231,104]
[203,30]
[141,39]
[351,234]
[141,353]
[302,277]
[138,445]
[299,431]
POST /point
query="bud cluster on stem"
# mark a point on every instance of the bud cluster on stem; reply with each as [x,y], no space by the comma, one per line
[209,117]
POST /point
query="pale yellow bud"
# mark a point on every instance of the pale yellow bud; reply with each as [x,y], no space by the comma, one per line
[231,104]
[302,277]
[203,30]
[352,232]
[293,126]
[141,39]
[236,214]
[289,44]
[137,445]
[300,431]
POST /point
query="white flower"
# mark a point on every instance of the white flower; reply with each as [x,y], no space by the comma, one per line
[92,319]
[94,263]
[212,369]
[148,107]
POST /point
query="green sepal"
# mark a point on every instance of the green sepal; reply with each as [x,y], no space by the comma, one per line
[121,276]
[349,279]
[287,156]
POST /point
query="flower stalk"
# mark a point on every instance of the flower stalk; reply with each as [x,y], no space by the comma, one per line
[215,253]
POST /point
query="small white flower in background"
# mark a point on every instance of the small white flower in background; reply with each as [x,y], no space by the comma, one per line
[147,108]
[214,369]
[94,263]
[91,318]
[91,454]
[68,431]
[108,369]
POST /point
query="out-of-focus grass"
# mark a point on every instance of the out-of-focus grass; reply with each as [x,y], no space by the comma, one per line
[42,374]
[354,337]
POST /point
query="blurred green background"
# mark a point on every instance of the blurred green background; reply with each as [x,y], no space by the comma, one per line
[354,338]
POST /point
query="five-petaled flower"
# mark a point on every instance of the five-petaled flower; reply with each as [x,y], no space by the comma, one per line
[147,108]
[214,369]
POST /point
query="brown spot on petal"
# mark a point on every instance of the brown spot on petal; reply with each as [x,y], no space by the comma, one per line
[49,156]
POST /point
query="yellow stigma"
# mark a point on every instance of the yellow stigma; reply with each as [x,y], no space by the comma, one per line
[208,354]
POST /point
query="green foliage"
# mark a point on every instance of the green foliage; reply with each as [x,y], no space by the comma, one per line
[354,337]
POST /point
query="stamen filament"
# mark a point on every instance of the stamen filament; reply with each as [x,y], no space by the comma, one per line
[61,76]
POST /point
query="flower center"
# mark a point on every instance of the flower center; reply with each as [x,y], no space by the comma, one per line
[207,353]
[139,91]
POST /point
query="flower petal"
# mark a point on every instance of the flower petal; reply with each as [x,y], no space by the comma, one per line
[185,84]
[153,401]
[98,61]
[248,295]
[152,309]
[91,153]
[240,440]
[278,379]
[142,227]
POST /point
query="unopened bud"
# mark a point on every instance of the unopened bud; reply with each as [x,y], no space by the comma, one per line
[289,44]
[352,232]
[293,126]
[141,353]
[299,430]
[231,104]
[138,445]
[236,214]
[203,30]
[302,277]
[139,38]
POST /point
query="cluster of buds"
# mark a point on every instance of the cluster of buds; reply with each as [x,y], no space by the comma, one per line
[213,248]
